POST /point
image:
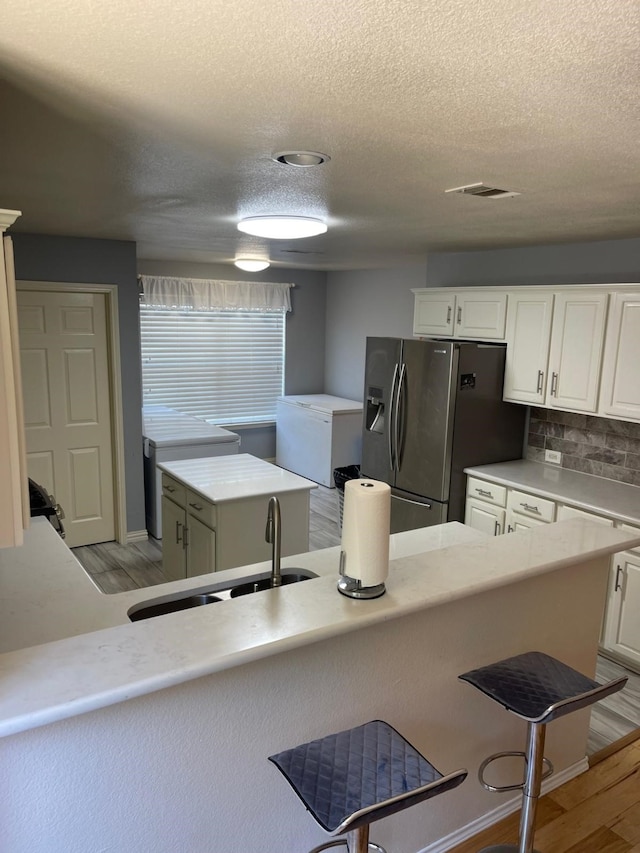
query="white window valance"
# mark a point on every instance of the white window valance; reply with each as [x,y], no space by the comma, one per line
[201,294]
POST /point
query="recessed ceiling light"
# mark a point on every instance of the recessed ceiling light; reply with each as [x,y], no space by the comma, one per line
[282,227]
[301,158]
[251,264]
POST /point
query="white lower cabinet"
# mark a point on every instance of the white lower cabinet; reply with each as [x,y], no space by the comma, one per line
[174,554]
[621,632]
[484,517]
[496,509]
[188,534]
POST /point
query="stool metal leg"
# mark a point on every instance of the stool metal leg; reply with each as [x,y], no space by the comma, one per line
[530,793]
[356,841]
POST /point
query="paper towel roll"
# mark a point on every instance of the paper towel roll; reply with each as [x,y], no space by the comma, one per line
[365,530]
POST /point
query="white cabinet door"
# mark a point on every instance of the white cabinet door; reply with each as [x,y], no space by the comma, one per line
[433,313]
[528,336]
[484,517]
[620,386]
[576,350]
[174,557]
[622,626]
[201,550]
[480,315]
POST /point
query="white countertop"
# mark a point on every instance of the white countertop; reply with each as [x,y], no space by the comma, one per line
[162,427]
[73,672]
[230,478]
[593,494]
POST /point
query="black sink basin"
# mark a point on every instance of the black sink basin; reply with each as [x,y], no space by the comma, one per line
[265,583]
[163,607]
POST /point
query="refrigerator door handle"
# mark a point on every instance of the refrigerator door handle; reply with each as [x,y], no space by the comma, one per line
[391,423]
[399,422]
[424,504]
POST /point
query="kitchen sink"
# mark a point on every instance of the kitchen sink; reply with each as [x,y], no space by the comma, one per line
[260,582]
[265,583]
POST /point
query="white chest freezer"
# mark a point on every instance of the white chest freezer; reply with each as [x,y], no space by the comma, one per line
[316,433]
[169,436]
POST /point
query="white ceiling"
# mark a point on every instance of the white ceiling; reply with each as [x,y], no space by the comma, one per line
[156,122]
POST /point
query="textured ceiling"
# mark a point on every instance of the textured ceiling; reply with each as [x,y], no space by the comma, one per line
[156,122]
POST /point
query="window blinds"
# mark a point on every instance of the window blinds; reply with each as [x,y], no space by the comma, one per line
[224,366]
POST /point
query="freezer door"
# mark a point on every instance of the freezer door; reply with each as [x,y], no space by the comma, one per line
[409,512]
[380,387]
[426,404]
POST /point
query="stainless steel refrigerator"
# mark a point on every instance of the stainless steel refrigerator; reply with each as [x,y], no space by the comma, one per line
[431,409]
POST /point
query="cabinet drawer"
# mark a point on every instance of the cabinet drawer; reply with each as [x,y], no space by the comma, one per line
[573,512]
[486,491]
[174,490]
[531,505]
[200,508]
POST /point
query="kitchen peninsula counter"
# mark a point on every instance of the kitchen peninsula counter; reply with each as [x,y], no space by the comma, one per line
[193,702]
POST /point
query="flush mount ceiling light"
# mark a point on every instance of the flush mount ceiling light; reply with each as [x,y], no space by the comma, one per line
[251,264]
[301,158]
[282,227]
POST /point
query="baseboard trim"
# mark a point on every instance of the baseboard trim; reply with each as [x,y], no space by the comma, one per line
[136,536]
[490,818]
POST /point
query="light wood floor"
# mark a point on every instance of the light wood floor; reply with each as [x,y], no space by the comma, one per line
[118,568]
[597,812]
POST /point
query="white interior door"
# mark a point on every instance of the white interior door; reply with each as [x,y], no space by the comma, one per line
[67,403]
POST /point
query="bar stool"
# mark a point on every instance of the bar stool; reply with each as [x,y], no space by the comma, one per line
[350,779]
[538,689]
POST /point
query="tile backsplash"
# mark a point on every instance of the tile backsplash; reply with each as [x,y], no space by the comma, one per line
[600,446]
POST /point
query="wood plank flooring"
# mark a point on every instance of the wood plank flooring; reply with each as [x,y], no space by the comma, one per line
[597,812]
[118,568]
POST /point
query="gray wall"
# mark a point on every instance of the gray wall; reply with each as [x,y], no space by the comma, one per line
[305,338]
[362,303]
[88,261]
[600,262]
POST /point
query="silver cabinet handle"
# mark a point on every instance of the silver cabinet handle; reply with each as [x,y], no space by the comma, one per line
[530,508]
[197,507]
[448,315]
[485,493]
[459,316]
[498,530]
[540,382]
[618,585]
[554,384]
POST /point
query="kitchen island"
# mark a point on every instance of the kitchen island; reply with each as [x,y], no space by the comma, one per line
[153,736]
[214,513]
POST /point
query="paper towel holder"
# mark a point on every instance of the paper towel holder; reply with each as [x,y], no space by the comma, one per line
[352,587]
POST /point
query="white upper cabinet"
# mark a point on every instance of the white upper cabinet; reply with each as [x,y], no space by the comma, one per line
[554,348]
[528,336]
[470,314]
[576,350]
[620,388]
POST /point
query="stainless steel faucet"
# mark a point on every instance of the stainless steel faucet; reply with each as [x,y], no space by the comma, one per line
[273,534]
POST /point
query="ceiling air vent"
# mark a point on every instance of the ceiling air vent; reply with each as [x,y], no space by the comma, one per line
[483,191]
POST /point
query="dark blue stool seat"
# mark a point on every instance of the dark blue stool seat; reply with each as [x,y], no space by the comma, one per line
[350,779]
[538,688]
